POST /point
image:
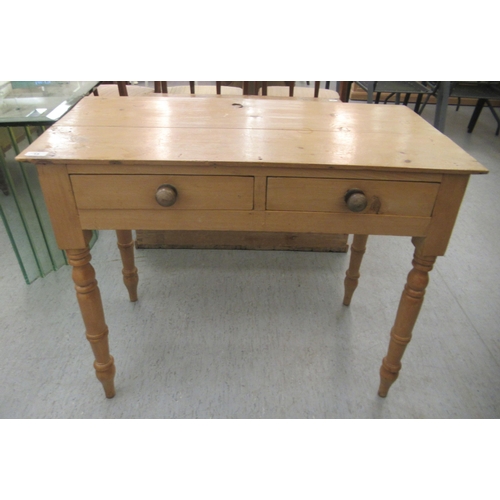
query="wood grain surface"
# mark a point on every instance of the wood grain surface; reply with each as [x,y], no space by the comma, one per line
[239,130]
[195,192]
[327,195]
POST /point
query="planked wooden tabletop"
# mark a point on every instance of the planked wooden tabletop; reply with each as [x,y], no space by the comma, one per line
[233,130]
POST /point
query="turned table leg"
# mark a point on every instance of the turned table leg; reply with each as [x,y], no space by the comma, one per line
[89,300]
[130,276]
[409,307]
[358,248]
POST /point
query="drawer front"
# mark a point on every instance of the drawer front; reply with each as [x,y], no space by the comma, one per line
[138,192]
[327,195]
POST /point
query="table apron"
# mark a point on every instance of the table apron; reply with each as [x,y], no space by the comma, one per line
[218,220]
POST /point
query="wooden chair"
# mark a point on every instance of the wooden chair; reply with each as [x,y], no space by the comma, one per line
[289,89]
[218,89]
[115,89]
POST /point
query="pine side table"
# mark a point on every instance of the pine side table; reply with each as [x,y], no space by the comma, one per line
[249,164]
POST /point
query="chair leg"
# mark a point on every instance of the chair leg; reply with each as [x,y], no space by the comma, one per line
[344,90]
[407,99]
[494,115]
[475,115]
[388,97]
[420,110]
[417,103]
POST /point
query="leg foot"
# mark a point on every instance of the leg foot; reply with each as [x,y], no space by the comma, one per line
[130,276]
[475,115]
[406,317]
[388,375]
[358,248]
[89,300]
[106,375]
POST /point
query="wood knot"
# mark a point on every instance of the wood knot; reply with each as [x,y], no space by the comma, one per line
[375,205]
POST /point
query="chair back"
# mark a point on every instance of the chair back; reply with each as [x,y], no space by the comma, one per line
[291,86]
[220,88]
[290,89]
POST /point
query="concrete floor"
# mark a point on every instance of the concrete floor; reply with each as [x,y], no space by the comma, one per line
[247,334]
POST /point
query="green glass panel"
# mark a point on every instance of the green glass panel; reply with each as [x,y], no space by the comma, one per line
[25,109]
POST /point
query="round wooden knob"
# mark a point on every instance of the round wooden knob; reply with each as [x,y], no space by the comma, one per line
[166,195]
[356,200]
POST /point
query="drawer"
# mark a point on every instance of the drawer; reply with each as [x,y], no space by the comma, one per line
[328,195]
[138,192]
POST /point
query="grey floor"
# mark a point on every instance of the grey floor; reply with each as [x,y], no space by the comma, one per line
[247,334]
